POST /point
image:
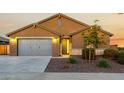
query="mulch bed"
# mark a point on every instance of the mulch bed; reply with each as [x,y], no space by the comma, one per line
[63,65]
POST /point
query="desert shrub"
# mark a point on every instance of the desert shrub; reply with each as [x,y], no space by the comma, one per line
[121,57]
[73,60]
[103,63]
[121,60]
[110,53]
[121,48]
[85,53]
[121,53]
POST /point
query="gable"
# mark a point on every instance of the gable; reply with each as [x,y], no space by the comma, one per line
[63,25]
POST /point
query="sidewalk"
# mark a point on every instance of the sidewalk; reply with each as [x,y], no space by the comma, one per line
[62,76]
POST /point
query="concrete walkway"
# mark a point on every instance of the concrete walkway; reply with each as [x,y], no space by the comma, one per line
[20,64]
[62,76]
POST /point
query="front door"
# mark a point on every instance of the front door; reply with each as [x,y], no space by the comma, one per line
[65,46]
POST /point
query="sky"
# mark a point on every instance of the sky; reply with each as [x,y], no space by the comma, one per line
[110,22]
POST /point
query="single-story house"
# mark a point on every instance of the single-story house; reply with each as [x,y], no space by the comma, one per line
[4,45]
[54,36]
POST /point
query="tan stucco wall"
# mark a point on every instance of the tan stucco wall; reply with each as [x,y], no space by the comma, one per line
[35,32]
[66,27]
[13,48]
[77,41]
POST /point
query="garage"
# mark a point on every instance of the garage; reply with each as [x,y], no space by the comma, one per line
[35,47]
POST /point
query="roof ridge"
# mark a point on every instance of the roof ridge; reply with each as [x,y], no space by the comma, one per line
[61,14]
[75,20]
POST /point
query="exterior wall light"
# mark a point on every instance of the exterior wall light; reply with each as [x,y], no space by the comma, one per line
[54,40]
[12,40]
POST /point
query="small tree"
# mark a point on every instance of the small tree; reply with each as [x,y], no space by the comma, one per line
[88,42]
[92,39]
[96,40]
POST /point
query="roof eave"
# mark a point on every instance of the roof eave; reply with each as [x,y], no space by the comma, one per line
[110,34]
[76,32]
[20,29]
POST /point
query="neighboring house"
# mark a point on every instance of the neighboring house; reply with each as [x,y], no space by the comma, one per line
[4,45]
[55,36]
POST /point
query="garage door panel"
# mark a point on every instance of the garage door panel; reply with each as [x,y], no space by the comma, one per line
[35,47]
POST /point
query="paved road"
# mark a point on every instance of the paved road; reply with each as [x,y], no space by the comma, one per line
[20,64]
[62,76]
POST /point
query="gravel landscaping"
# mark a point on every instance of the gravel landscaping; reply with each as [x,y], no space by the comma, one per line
[63,65]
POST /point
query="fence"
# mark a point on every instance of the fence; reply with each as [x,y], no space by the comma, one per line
[4,49]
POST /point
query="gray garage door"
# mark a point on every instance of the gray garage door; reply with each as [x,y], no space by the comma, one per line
[34,47]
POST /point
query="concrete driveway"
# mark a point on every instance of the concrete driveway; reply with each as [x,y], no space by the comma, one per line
[19,64]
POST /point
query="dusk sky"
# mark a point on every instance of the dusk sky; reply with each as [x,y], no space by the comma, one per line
[110,22]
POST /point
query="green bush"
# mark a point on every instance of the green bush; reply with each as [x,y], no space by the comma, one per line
[73,60]
[121,61]
[116,56]
[121,53]
[103,63]
[121,57]
[85,53]
[110,53]
[121,48]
